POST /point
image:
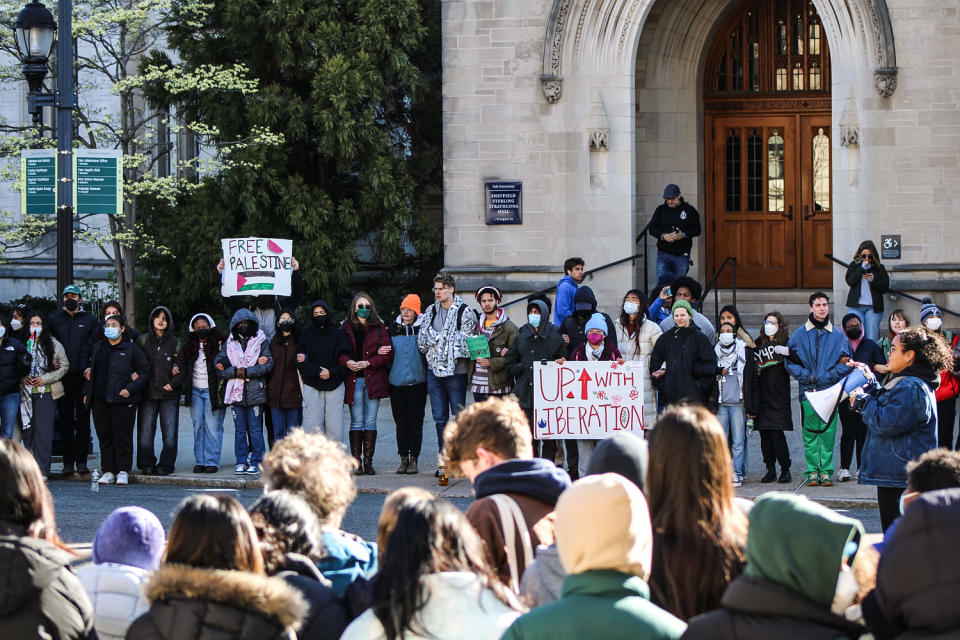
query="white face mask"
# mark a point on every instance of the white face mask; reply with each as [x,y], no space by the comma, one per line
[933,323]
[3,330]
[770,329]
[36,331]
[865,264]
[846,591]
[15,324]
[726,339]
[630,308]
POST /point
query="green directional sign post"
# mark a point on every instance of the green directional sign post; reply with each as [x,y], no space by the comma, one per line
[38,182]
[98,182]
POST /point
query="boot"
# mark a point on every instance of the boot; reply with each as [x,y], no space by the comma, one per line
[412,465]
[356,449]
[770,476]
[369,445]
[785,475]
[404,464]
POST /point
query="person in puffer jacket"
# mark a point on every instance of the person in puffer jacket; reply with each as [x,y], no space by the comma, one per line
[127,549]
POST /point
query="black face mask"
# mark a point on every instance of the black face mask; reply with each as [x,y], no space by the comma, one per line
[853,332]
[583,316]
[203,334]
[243,331]
[70,304]
[286,325]
[320,321]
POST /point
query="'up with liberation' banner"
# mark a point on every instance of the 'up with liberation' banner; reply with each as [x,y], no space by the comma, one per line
[256,266]
[587,400]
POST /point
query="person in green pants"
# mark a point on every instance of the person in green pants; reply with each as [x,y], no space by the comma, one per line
[819,357]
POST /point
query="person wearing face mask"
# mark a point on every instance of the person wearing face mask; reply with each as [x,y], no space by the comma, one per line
[636,336]
[73,328]
[536,341]
[112,308]
[683,364]
[768,396]
[202,392]
[283,390]
[320,346]
[245,363]
[368,362]
[932,318]
[853,431]
[41,388]
[161,398]
[20,321]
[795,584]
[267,309]
[732,362]
[14,364]
[901,416]
[119,371]
[868,281]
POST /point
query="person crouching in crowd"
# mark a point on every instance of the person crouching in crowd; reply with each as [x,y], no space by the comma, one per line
[161,397]
[201,392]
[408,384]
[283,390]
[119,372]
[42,387]
[487,375]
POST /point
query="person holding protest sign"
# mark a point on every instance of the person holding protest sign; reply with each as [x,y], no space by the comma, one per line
[688,358]
[487,375]
[202,392]
[768,397]
[283,391]
[408,383]
[245,362]
[368,363]
[637,334]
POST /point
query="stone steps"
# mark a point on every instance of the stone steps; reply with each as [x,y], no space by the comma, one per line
[754,304]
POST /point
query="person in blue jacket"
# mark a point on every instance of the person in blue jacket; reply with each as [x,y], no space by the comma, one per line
[566,288]
[901,416]
[819,357]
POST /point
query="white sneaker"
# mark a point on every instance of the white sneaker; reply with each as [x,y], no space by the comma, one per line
[252,470]
[738,482]
[844,475]
[106,478]
[123,478]
[240,468]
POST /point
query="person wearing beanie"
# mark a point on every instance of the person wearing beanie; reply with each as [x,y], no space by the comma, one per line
[487,375]
[932,318]
[127,550]
[320,346]
[819,356]
[853,430]
[605,592]
[688,355]
[408,383]
[686,288]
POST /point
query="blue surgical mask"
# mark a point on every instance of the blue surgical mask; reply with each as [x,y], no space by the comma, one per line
[534,319]
[111,333]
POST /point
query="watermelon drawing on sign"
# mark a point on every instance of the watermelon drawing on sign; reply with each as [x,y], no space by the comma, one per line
[273,247]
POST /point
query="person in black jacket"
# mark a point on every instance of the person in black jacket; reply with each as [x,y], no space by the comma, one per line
[768,396]
[573,328]
[537,340]
[868,281]
[321,345]
[20,321]
[14,365]
[119,372]
[201,392]
[161,397]
[73,327]
[688,354]
[673,224]
[112,308]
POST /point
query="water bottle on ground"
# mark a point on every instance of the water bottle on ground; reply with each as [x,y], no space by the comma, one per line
[95,481]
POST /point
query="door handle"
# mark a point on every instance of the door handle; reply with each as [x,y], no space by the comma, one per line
[789,214]
[806,212]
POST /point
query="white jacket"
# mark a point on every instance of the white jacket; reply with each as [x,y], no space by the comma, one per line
[649,332]
[116,593]
[458,608]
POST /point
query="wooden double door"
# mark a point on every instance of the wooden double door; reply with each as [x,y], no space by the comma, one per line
[769,198]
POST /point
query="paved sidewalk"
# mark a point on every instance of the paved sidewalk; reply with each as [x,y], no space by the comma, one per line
[386,460]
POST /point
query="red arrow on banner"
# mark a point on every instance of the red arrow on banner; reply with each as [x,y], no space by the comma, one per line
[584,379]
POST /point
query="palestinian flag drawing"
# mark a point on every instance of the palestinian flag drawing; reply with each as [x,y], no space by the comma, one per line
[255,281]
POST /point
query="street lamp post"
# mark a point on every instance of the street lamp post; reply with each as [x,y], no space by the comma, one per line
[35,31]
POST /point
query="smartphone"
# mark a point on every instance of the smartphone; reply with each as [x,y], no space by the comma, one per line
[669,291]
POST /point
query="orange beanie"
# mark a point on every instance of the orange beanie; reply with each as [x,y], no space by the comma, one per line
[412,301]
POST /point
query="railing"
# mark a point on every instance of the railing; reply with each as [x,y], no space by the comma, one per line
[892,290]
[712,286]
[644,235]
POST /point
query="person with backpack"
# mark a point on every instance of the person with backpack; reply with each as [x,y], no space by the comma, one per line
[161,397]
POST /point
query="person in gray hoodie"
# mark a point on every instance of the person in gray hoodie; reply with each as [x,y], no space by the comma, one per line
[162,395]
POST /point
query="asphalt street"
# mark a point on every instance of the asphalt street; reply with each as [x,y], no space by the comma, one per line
[80,512]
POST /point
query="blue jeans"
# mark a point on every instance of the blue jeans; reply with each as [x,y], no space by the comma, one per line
[248,421]
[207,429]
[671,267]
[169,413]
[871,320]
[9,412]
[284,420]
[448,394]
[363,411]
[734,422]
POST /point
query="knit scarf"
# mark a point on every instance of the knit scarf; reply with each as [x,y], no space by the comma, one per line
[243,357]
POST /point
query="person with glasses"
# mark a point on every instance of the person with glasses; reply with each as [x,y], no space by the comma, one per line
[868,281]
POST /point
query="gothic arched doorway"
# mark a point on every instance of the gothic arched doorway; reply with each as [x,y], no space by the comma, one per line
[767,145]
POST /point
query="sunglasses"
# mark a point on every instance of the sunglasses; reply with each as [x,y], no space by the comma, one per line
[866,256]
[363,306]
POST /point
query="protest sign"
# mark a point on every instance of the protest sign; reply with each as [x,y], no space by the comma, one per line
[479,347]
[256,266]
[586,400]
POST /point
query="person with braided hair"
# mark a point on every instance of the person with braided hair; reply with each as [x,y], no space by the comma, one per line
[901,416]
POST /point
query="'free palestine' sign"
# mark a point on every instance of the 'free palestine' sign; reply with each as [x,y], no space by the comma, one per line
[256,266]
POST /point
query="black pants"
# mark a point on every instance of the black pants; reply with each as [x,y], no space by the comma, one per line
[888,501]
[268,423]
[946,417]
[480,397]
[114,423]
[74,424]
[853,432]
[773,446]
[407,404]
